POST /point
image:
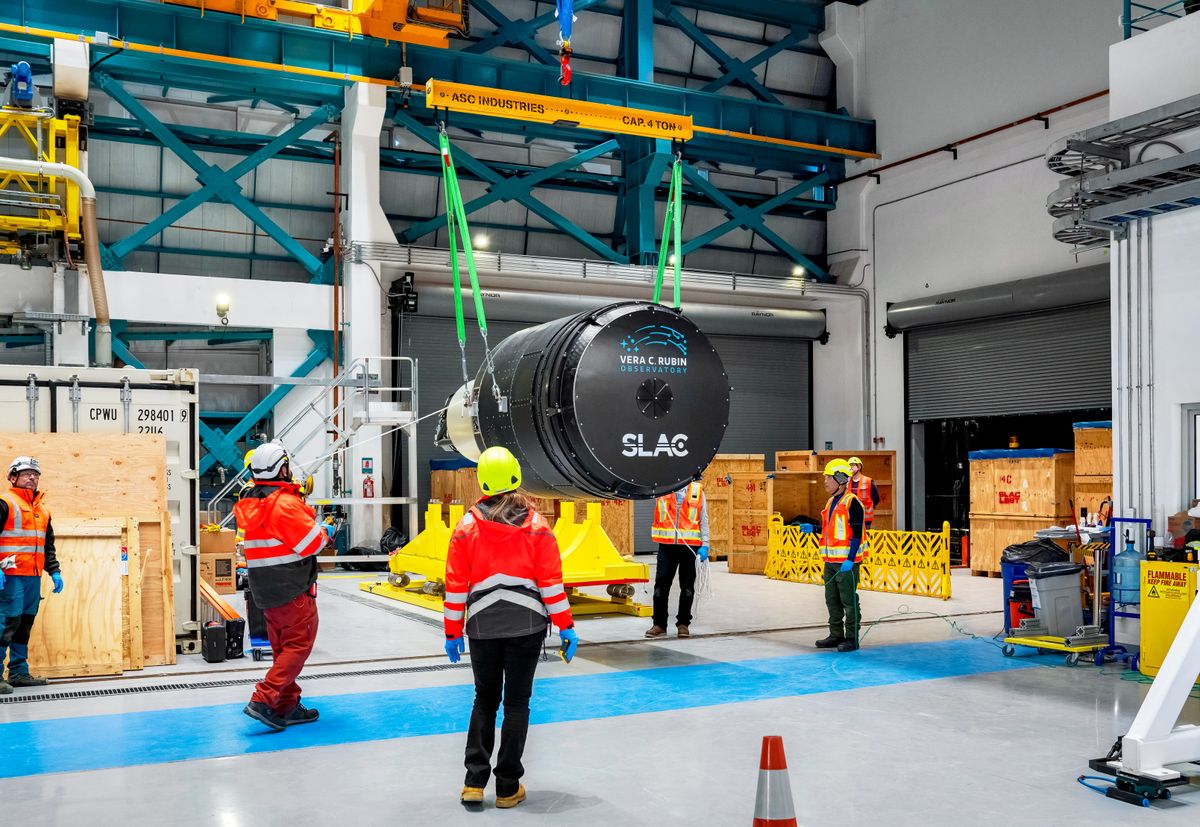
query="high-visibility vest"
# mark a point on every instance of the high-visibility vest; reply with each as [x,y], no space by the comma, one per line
[23,536]
[861,488]
[279,528]
[835,531]
[679,523]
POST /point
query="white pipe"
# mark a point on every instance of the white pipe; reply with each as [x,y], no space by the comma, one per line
[91,242]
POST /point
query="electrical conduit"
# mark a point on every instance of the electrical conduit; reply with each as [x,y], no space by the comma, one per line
[91,243]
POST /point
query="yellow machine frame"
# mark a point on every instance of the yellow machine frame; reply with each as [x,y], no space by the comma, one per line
[54,140]
[383,19]
[589,558]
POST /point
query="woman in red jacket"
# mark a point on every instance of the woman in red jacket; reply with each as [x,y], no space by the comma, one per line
[504,571]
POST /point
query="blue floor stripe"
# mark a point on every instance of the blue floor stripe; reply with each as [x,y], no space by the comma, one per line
[159,736]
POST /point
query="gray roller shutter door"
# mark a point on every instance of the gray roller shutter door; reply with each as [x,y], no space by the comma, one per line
[1038,363]
[770,408]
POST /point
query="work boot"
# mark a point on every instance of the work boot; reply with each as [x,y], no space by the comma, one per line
[655,631]
[5,687]
[472,795]
[504,802]
[301,715]
[262,713]
[683,631]
[831,642]
[847,646]
[26,680]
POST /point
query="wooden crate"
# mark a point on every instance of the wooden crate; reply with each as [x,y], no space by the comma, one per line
[992,533]
[722,465]
[1023,486]
[798,493]
[748,562]
[81,632]
[720,524]
[1090,492]
[441,486]
[797,461]
[1093,452]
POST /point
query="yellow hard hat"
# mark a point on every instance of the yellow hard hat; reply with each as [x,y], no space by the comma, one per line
[499,472]
[839,469]
[246,459]
[855,461]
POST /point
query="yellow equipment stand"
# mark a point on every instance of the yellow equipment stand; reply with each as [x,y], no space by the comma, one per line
[588,559]
[1168,590]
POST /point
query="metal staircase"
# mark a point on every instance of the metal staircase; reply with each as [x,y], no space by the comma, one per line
[1107,190]
[365,401]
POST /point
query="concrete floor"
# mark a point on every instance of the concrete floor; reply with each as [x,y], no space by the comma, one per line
[923,726]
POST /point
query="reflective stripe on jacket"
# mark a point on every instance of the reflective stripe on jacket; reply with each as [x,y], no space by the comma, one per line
[678,523]
[861,488]
[836,531]
[282,539]
[503,580]
[23,535]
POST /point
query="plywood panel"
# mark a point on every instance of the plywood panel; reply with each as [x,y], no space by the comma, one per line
[749,492]
[722,465]
[132,656]
[719,525]
[1024,486]
[991,534]
[88,474]
[1090,492]
[748,562]
[1093,452]
[78,632]
[158,602]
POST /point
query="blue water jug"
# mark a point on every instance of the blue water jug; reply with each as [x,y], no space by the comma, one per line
[1127,575]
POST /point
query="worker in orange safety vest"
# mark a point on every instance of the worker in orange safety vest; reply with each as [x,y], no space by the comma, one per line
[841,543]
[680,528]
[865,489]
[26,551]
[281,544]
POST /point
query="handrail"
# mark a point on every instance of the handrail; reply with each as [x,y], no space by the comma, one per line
[360,384]
[1175,9]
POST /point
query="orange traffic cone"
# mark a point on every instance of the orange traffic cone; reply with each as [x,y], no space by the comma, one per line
[773,805]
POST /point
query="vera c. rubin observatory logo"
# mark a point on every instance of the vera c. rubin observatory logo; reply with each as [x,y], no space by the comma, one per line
[654,348]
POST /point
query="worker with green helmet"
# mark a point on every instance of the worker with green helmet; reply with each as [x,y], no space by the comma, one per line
[504,576]
[841,539]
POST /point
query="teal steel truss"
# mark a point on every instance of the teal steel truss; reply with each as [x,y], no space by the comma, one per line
[215,183]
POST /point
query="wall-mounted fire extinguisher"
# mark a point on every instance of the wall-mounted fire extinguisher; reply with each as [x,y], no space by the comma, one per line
[368,487]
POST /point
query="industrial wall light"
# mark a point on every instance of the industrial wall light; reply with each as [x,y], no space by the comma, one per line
[223,308]
[797,270]
[481,241]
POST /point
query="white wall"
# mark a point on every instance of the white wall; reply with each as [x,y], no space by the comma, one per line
[931,73]
[1157,293]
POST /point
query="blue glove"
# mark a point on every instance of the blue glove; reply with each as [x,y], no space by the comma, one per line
[329,529]
[806,528]
[570,642]
[455,648]
[1,578]
[58,584]
[846,566]
[703,552]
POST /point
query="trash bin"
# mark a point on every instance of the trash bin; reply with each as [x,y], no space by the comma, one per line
[1056,600]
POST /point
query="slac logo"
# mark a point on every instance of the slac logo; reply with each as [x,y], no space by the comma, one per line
[635,446]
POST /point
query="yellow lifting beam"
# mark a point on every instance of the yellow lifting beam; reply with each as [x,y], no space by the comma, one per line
[426,22]
[37,203]
[417,572]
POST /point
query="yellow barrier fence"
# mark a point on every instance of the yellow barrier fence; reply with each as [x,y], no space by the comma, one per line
[901,562]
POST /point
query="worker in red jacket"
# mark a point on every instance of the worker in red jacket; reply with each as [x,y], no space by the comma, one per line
[281,546]
[504,572]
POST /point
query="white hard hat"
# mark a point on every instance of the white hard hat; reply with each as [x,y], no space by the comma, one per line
[267,459]
[24,464]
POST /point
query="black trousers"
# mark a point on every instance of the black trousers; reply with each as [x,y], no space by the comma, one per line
[670,558]
[501,665]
